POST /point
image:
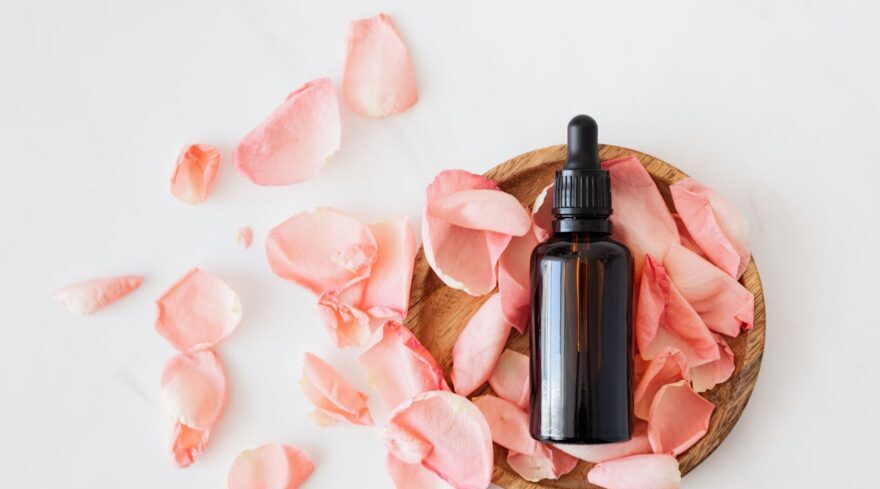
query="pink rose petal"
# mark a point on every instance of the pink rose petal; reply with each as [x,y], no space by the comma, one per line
[483,209]
[478,347]
[413,476]
[509,425]
[714,224]
[708,375]
[246,236]
[723,303]
[198,311]
[542,214]
[686,240]
[398,366]
[667,367]
[637,472]
[188,444]
[194,173]
[461,452]
[549,464]
[636,445]
[323,250]
[678,418]
[378,79]
[514,280]
[510,378]
[295,141]
[405,446]
[87,297]
[347,324]
[386,292]
[334,398]
[271,466]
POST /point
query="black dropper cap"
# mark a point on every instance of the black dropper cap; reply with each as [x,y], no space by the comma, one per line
[583,188]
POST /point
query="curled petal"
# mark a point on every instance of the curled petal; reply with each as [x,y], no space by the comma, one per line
[549,464]
[346,323]
[542,214]
[513,280]
[404,445]
[510,379]
[198,311]
[686,240]
[334,398]
[678,418]
[295,141]
[509,425]
[195,173]
[398,366]
[271,466]
[482,209]
[187,444]
[386,292]
[667,367]
[723,303]
[246,236]
[323,250]
[87,297]
[478,347]
[413,476]
[637,472]
[194,389]
[378,79]
[708,375]
[636,445]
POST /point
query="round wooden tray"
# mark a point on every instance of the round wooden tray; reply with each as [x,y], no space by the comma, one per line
[437,314]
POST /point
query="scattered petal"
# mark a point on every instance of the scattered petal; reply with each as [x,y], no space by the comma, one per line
[332,395]
[87,297]
[708,375]
[386,292]
[198,311]
[478,347]
[347,324]
[323,250]
[509,425]
[667,367]
[295,141]
[510,379]
[679,417]
[514,280]
[188,444]
[194,389]
[636,445]
[271,466]
[482,209]
[542,214]
[549,464]
[195,173]
[413,476]
[246,236]
[637,472]
[378,79]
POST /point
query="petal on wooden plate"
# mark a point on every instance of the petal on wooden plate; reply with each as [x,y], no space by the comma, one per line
[708,375]
[637,472]
[509,425]
[478,347]
[514,280]
[510,378]
[194,173]
[483,209]
[636,445]
[666,368]
[84,298]
[271,466]
[334,398]
[386,292]
[549,464]
[347,324]
[679,417]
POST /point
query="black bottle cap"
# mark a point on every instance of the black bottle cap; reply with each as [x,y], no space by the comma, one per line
[583,188]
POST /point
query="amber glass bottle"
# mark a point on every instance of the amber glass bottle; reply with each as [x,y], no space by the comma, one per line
[581,285]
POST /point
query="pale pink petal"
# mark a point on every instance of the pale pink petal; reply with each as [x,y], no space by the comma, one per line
[413,476]
[398,366]
[347,324]
[188,444]
[331,394]
[707,376]
[323,250]
[271,466]
[723,303]
[636,445]
[667,367]
[194,173]
[478,347]
[542,214]
[678,418]
[641,219]
[295,141]
[246,236]
[514,279]
[378,79]
[404,445]
[510,379]
[665,319]
[386,292]
[686,240]
[637,472]
[483,210]
[194,389]
[509,425]
[549,464]
[198,311]
[87,297]
[461,453]
[715,224]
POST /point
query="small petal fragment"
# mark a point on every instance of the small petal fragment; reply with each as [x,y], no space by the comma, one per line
[271,466]
[197,312]
[194,389]
[679,417]
[188,444]
[666,368]
[323,250]
[378,79]
[636,445]
[346,323]
[542,214]
[708,375]
[478,347]
[295,141]
[195,173]
[84,298]
[510,379]
[246,236]
[386,292]
[549,464]
[413,476]
[637,472]
[514,280]
[334,398]
[509,425]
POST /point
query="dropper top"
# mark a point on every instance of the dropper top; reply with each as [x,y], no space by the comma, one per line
[583,189]
[583,144]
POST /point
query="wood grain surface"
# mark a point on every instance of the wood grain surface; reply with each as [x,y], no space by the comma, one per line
[438,313]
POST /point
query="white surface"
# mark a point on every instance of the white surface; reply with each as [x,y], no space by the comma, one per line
[775,104]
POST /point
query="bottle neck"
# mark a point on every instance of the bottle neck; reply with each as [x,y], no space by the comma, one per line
[582,225]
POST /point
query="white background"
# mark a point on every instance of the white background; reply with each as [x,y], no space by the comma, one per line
[775,104]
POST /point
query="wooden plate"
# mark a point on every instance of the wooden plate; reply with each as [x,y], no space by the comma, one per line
[437,314]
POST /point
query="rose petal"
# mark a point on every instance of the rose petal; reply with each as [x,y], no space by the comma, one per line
[246,236]
[678,418]
[509,425]
[514,280]
[510,379]
[398,366]
[723,303]
[641,219]
[271,466]
[188,444]
[347,324]
[707,376]
[638,444]
[405,446]
[686,240]
[413,476]
[478,347]
[378,79]
[542,214]
[331,394]
[637,472]
[461,443]
[665,319]
[714,224]
[667,367]
[549,464]
[386,293]
[323,250]
[87,297]
[197,312]
[194,389]
[194,173]
[483,210]
[296,140]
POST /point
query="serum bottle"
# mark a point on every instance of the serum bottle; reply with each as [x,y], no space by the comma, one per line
[582,324]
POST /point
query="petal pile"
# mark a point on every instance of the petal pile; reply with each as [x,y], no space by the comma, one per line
[334,398]
[510,379]
[542,214]
[87,297]
[271,466]
[637,472]
[678,418]
[346,323]
[386,293]
[378,79]
[514,279]
[636,445]
[707,376]
[478,347]
[413,475]
[194,173]
[668,367]
[549,464]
